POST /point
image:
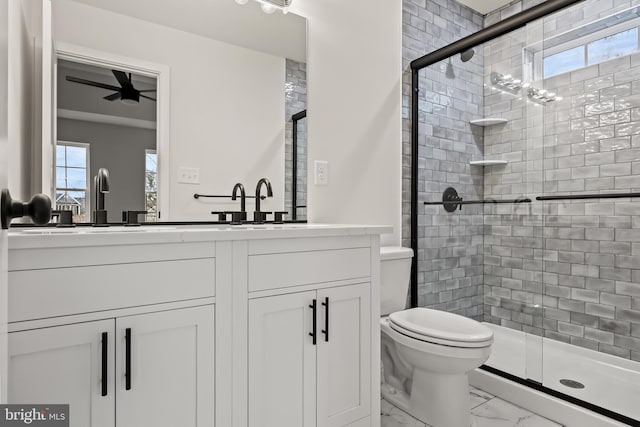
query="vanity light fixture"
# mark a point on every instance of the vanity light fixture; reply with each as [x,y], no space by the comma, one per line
[542,96]
[270,6]
[506,82]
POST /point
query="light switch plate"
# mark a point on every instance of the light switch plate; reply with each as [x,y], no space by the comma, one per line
[321,172]
[188,175]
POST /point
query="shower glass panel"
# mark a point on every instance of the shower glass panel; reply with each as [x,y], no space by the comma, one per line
[479,134]
[513,245]
[542,128]
[591,268]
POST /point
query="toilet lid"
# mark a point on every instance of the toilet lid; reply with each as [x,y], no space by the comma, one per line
[424,323]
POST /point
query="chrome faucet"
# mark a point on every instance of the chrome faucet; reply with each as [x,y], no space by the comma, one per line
[243,199]
[259,216]
[101,187]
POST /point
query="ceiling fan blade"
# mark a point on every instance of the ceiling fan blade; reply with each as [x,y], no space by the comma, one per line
[113,96]
[147,90]
[90,83]
[144,96]
[122,78]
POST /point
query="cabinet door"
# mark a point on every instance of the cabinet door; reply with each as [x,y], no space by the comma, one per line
[282,361]
[344,355]
[64,364]
[170,369]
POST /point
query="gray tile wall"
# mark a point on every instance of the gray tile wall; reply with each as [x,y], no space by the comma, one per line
[567,270]
[296,101]
[450,255]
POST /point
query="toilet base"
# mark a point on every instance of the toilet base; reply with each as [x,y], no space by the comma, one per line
[439,400]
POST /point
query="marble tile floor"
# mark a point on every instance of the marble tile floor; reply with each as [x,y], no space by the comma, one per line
[486,411]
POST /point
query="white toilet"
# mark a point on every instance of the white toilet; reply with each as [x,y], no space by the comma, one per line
[426,354]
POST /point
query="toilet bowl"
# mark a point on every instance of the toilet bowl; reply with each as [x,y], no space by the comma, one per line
[426,354]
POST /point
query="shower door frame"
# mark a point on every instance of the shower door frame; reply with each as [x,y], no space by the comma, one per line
[494,31]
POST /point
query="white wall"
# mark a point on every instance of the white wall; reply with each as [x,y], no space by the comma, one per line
[227,104]
[354,104]
[20,96]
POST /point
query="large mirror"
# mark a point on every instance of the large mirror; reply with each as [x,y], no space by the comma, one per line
[212,85]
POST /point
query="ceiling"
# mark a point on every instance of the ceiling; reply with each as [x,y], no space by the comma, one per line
[485,6]
[224,20]
[78,97]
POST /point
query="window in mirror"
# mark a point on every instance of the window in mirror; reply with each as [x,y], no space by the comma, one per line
[151,184]
[72,169]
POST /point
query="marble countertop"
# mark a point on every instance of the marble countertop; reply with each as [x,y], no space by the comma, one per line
[34,237]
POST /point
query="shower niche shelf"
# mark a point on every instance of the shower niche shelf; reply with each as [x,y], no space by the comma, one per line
[489,121]
[487,162]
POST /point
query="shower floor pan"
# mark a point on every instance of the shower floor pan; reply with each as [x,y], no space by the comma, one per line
[600,379]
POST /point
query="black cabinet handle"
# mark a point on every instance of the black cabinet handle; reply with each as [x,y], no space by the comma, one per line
[105,356]
[325,331]
[127,360]
[313,307]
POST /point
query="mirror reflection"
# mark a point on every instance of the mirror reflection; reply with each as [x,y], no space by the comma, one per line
[106,118]
[173,100]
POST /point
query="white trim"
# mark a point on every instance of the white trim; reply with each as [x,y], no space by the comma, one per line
[162,74]
[106,119]
[543,404]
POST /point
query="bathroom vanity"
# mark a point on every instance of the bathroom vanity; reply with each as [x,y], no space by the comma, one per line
[268,326]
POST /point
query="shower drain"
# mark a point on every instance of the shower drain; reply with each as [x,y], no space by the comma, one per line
[571,383]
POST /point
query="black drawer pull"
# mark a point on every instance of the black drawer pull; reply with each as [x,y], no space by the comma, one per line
[325,331]
[105,356]
[127,360]
[313,307]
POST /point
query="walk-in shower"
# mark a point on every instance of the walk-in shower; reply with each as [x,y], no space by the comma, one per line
[522,188]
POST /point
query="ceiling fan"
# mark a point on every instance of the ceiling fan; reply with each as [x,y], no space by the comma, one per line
[126,92]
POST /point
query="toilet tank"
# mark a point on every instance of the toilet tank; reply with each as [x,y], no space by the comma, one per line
[395,278]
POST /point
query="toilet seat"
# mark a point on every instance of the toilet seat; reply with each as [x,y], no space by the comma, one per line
[440,327]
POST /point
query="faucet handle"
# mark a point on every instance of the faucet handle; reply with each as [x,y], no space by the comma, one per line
[130,218]
[237,217]
[278,217]
[222,215]
[259,217]
[65,218]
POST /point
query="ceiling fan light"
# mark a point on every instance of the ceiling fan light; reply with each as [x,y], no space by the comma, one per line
[242,1]
[130,97]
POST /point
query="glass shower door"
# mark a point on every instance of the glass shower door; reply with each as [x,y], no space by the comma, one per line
[589,67]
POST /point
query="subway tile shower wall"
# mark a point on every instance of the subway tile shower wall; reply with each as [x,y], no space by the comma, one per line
[566,270]
[449,259]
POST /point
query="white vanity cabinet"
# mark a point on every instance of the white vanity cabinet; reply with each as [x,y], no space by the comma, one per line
[312,332]
[162,302]
[310,358]
[123,333]
[171,369]
[63,364]
[166,362]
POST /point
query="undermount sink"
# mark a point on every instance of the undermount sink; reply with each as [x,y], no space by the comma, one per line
[94,230]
